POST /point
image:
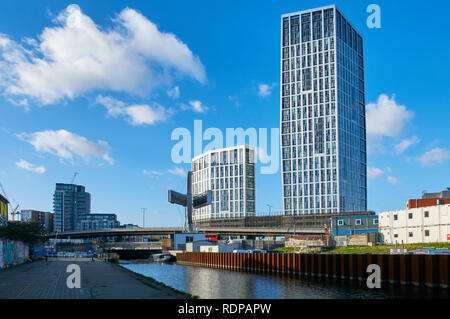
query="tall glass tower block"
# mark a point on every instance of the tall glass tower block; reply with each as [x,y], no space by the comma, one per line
[230,174]
[322,114]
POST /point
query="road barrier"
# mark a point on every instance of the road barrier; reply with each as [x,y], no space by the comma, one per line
[418,270]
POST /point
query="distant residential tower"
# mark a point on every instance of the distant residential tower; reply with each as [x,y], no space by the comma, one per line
[71,205]
[35,216]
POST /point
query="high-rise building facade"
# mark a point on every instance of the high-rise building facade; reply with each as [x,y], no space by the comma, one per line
[323,126]
[71,203]
[230,174]
[35,216]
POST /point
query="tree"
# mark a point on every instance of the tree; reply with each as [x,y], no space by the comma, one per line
[29,232]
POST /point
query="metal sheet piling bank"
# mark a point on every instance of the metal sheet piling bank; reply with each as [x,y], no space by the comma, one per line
[418,270]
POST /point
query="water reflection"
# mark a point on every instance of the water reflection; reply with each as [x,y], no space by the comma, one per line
[211,283]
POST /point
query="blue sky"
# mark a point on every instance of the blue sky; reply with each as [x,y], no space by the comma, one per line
[97,89]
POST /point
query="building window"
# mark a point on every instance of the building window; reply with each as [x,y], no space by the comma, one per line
[427,233]
[395,217]
[358,222]
[427,214]
[340,222]
[410,234]
[395,235]
[410,216]
[375,221]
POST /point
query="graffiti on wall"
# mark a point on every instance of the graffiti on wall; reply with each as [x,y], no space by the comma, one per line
[12,252]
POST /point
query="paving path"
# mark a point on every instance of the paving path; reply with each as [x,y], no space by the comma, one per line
[99,280]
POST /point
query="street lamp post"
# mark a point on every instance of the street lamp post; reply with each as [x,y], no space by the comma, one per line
[270,208]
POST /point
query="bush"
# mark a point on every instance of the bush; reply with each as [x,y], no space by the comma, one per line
[29,233]
[114,258]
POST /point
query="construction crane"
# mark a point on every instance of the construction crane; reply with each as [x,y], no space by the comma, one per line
[74,176]
[14,212]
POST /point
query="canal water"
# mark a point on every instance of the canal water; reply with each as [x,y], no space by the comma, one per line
[209,283]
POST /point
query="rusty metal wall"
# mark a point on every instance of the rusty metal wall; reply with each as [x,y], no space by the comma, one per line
[418,270]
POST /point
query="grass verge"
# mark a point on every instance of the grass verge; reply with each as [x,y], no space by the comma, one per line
[385,249]
[379,249]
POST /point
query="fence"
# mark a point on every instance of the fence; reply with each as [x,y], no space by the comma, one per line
[419,270]
[12,253]
[277,220]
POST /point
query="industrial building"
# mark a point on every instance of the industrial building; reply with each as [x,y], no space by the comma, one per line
[182,239]
[429,224]
[425,220]
[430,199]
[358,230]
[352,225]
[443,194]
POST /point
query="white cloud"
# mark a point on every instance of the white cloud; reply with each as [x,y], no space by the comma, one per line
[374,172]
[65,145]
[405,144]
[135,114]
[23,164]
[264,90]
[196,106]
[21,102]
[394,180]
[76,56]
[144,114]
[174,93]
[177,171]
[434,157]
[386,119]
[152,173]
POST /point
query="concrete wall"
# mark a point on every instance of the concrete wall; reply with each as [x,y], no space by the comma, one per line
[412,226]
[12,252]
[195,246]
[217,249]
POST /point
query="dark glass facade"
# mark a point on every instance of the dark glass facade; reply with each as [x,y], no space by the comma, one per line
[71,204]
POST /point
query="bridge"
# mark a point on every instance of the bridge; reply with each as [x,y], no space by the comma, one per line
[256,226]
[132,250]
[221,231]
